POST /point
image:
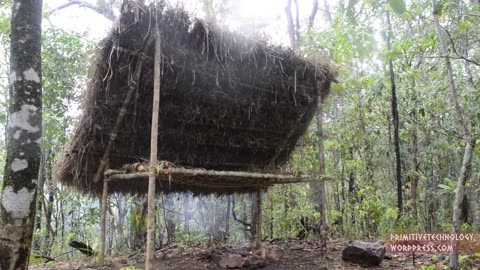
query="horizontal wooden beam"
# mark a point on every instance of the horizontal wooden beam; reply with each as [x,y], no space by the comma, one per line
[114,175]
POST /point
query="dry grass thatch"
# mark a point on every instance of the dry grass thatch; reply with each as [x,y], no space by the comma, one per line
[227,102]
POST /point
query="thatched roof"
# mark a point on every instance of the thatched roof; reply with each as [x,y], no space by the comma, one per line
[227,102]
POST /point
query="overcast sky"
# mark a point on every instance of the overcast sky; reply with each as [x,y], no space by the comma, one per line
[266,14]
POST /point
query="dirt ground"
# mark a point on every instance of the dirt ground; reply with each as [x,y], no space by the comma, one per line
[290,255]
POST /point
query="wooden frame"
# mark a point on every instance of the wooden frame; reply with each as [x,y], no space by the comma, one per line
[262,180]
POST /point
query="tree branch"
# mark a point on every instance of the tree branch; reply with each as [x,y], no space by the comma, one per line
[453,91]
[244,223]
[107,13]
[455,49]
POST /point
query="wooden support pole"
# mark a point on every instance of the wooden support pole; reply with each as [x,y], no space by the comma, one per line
[257,219]
[258,237]
[153,154]
[133,84]
[103,221]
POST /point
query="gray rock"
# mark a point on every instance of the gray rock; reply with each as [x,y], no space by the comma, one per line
[364,253]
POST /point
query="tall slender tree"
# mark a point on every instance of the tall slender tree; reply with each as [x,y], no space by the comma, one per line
[24,129]
[395,120]
[465,128]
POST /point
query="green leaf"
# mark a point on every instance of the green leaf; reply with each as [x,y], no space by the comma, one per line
[398,6]
[444,187]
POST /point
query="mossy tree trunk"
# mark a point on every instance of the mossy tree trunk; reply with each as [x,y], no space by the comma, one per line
[24,129]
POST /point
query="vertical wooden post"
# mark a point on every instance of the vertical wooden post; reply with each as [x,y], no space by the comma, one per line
[153,153]
[258,238]
[257,218]
[103,221]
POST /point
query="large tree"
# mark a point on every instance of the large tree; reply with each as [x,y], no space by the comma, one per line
[24,129]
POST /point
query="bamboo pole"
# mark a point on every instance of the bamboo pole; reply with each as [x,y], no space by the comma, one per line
[153,154]
[103,221]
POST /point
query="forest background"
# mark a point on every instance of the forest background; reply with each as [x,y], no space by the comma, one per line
[397,138]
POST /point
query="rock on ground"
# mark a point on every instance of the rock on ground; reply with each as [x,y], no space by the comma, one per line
[364,253]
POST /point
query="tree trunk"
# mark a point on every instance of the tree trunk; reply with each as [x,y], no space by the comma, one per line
[313,13]
[48,209]
[291,25]
[121,221]
[413,171]
[459,195]
[186,215]
[24,130]
[297,23]
[469,139]
[270,227]
[435,203]
[476,199]
[37,244]
[319,187]
[414,147]
[396,140]
[170,225]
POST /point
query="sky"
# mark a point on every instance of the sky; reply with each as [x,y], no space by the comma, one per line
[247,15]
[77,19]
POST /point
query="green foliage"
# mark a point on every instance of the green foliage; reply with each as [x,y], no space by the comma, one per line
[291,204]
[5,9]
[429,267]
[448,187]
[358,128]
[65,63]
[398,6]
[138,224]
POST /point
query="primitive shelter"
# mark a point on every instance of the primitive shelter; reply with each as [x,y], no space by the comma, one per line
[227,103]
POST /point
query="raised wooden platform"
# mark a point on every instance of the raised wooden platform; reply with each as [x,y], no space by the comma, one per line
[172,178]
